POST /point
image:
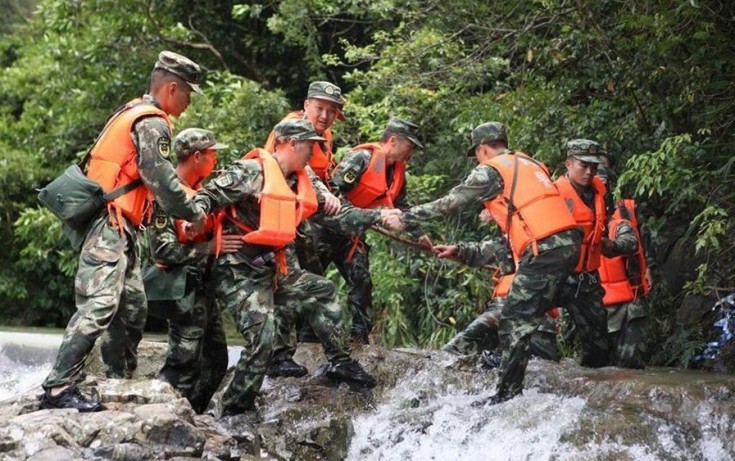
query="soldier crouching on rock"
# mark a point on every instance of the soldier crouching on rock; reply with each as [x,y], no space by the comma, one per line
[178,285]
[264,197]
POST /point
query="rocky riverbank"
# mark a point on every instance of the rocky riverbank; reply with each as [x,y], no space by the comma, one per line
[422,398]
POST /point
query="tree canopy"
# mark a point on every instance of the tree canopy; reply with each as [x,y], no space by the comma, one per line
[649,80]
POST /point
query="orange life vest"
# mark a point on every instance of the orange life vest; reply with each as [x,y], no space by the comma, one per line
[538,211]
[180,224]
[372,190]
[113,162]
[592,223]
[281,211]
[614,274]
[502,288]
[322,160]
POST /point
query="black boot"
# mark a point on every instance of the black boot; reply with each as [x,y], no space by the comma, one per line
[352,373]
[286,367]
[70,397]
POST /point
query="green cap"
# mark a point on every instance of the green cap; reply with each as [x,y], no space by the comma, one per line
[191,140]
[298,129]
[328,92]
[584,150]
[487,132]
[404,129]
[179,65]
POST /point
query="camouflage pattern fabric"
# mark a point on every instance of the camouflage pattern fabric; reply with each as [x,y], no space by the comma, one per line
[257,296]
[482,335]
[196,361]
[537,286]
[626,323]
[108,285]
[109,294]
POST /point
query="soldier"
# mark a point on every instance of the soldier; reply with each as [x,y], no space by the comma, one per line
[542,234]
[252,282]
[585,196]
[197,355]
[372,175]
[626,281]
[130,157]
[323,104]
[481,336]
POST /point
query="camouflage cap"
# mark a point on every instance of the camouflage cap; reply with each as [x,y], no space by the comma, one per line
[487,132]
[298,129]
[584,150]
[328,92]
[181,66]
[404,129]
[191,140]
[607,175]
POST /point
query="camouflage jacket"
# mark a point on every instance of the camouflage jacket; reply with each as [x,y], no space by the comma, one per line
[495,252]
[484,183]
[165,247]
[240,186]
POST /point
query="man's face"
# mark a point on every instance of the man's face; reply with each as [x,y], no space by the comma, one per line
[179,98]
[402,149]
[206,162]
[302,151]
[320,113]
[580,173]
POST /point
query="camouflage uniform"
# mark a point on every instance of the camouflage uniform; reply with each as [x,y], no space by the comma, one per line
[540,280]
[197,355]
[351,258]
[262,300]
[109,290]
[482,333]
[626,322]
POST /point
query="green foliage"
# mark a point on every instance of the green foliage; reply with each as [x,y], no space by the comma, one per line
[650,80]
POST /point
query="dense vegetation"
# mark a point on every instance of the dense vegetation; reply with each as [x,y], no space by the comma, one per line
[650,80]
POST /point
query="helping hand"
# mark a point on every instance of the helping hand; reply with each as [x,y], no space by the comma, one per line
[445,251]
[332,205]
[425,241]
[231,243]
[393,219]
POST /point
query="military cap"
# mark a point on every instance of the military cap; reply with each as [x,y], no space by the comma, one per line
[584,150]
[404,129]
[328,92]
[179,65]
[191,140]
[487,132]
[298,129]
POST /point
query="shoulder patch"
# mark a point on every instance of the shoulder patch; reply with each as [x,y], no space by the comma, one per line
[160,222]
[224,180]
[349,177]
[164,146]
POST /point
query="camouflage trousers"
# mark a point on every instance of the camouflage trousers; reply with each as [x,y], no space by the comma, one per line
[355,269]
[626,325]
[265,305]
[543,282]
[482,335]
[196,361]
[110,299]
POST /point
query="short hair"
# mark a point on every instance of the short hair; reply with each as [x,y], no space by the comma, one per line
[498,143]
[160,77]
[387,134]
